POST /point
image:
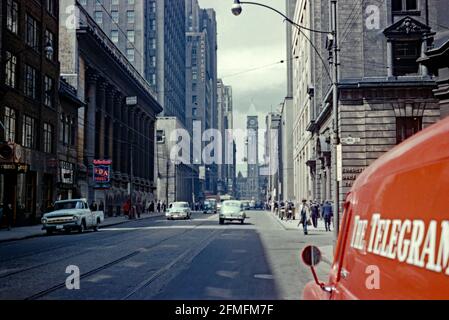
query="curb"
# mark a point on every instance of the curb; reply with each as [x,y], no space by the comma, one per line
[40,234]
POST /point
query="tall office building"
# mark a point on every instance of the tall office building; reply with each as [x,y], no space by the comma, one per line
[151,33]
[201,76]
[226,170]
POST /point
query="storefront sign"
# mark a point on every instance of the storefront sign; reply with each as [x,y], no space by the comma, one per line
[350,175]
[66,173]
[102,174]
[14,168]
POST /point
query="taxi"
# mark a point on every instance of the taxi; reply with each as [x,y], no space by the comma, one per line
[394,237]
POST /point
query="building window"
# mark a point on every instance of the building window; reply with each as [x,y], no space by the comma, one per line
[153,43]
[405,5]
[153,6]
[130,54]
[83,2]
[49,88]
[114,36]
[50,6]
[30,82]
[131,35]
[11,70]
[407,127]
[153,61]
[12,16]
[32,32]
[28,132]
[131,16]
[9,120]
[48,138]
[160,136]
[49,39]
[115,3]
[405,55]
[98,15]
[131,2]
[115,16]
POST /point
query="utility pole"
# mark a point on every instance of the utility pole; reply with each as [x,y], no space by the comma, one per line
[336,138]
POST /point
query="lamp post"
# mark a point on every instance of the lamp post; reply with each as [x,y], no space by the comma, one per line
[332,46]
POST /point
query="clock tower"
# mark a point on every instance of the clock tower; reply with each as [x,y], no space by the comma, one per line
[252,148]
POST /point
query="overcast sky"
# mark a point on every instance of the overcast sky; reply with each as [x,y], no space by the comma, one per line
[254,39]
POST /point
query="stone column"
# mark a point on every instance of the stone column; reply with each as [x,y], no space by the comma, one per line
[101,112]
[424,69]
[390,63]
[117,148]
[110,93]
[92,79]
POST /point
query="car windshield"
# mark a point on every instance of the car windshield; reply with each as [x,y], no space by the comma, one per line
[180,205]
[232,204]
[69,205]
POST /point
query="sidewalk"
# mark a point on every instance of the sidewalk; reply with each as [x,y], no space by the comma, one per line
[327,251]
[36,231]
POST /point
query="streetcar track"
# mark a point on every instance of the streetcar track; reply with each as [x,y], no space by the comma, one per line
[59,286]
[70,243]
[192,253]
[67,257]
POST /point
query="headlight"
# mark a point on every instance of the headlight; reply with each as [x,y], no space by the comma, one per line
[44,220]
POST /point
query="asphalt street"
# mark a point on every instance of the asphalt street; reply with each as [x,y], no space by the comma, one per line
[164,260]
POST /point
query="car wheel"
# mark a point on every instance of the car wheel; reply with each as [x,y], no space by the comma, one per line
[242,221]
[82,227]
[221,221]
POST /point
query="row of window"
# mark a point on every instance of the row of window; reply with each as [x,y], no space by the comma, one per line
[67,132]
[103,2]
[130,16]
[32,30]
[10,121]
[30,80]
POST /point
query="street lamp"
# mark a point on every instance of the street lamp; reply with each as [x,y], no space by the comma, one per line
[332,46]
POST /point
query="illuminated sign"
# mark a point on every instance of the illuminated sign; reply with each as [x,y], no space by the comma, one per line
[102,174]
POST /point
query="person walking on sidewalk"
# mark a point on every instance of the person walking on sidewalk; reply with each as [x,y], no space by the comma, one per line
[315,214]
[8,213]
[304,216]
[327,213]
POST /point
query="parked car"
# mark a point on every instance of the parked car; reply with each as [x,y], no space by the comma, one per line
[179,210]
[232,210]
[394,237]
[71,215]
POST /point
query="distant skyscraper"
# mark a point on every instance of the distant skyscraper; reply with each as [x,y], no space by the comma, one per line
[151,33]
[201,75]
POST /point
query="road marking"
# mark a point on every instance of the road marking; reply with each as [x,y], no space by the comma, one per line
[264,276]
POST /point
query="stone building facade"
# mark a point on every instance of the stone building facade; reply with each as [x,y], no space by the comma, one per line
[29,84]
[176,178]
[118,119]
[385,95]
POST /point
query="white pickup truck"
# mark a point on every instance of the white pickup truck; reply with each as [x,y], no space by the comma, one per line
[71,215]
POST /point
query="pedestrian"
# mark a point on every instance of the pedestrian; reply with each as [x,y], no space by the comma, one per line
[164,207]
[139,209]
[152,207]
[101,207]
[315,214]
[93,206]
[159,206]
[8,213]
[327,213]
[127,207]
[304,216]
